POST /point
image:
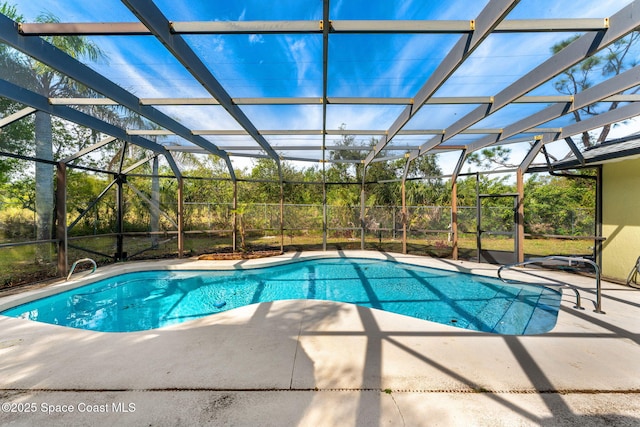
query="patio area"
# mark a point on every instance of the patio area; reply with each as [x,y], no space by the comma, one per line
[304,362]
[494,130]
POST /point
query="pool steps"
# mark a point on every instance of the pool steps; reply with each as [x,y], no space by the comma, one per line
[570,261]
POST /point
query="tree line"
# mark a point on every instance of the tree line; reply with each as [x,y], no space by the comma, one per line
[28,186]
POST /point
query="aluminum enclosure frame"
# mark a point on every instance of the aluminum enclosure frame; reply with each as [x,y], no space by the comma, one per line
[597,34]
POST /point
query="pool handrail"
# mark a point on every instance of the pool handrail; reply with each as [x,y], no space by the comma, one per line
[633,275]
[73,266]
[570,260]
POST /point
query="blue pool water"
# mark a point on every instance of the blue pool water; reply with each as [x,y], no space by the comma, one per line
[149,300]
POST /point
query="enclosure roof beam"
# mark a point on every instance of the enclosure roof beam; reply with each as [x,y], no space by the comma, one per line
[89,149]
[62,62]
[486,22]
[137,164]
[459,165]
[620,24]
[311,27]
[82,101]
[151,16]
[198,150]
[366,132]
[152,205]
[616,84]
[174,166]
[318,132]
[388,158]
[613,116]
[91,205]
[574,149]
[39,102]
[296,159]
[11,118]
[448,100]
[531,155]
[82,29]
[150,132]
[548,138]
[405,171]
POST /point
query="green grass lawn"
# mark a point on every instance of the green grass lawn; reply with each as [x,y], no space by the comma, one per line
[27,264]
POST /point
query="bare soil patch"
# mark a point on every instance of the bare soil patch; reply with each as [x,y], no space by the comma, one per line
[238,255]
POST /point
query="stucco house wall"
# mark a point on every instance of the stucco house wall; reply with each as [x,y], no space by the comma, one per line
[620,217]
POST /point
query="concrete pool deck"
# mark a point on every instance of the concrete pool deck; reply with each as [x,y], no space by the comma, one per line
[325,363]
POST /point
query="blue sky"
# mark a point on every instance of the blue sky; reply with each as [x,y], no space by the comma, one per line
[291,65]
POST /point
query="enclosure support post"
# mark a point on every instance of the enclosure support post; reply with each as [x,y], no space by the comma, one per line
[324,209]
[454,220]
[120,179]
[519,208]
[404,205]
[234,206]
[61,218]
[393,221]
[154,207]
[119,255]
[281,216]
[478,218]
[454,204]
[597,247]
[404,217]
[180,217]
[326,27]
[362,212]
[520,215]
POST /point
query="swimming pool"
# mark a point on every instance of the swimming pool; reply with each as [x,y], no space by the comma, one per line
[153,299]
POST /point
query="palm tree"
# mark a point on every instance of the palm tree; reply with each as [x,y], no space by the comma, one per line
[45,81]
[239,212]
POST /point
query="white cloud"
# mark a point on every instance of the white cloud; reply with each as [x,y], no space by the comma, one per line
[298,52]
[144,71]
[498,62]
[460,9]
[567,9]
[362,117]
[256,38]
[302,51]
[78,11]
[147,69]
[626,128]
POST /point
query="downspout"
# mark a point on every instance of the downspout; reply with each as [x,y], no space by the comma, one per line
[597,247]
[597,244]
[552,172]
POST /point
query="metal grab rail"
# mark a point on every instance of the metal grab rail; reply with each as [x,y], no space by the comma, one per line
[73,266]
[633,275]
[570,260]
